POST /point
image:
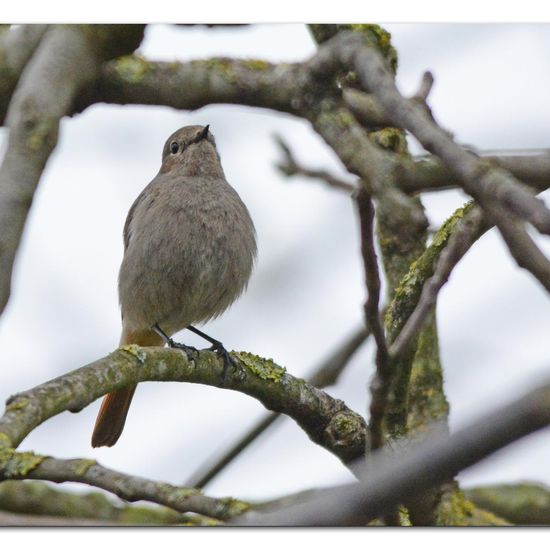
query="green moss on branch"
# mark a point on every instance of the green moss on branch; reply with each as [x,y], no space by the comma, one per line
[520,504]
[40,498]
[314,410]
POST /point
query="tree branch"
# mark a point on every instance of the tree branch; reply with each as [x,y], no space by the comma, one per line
[431,174]
[465,233]
[16,465]
[383,376]
[16,47]
[395,478]
[289,166]
[484,183]
[521,504]
[327,421]
[68,59]
[39,499]
[326,374]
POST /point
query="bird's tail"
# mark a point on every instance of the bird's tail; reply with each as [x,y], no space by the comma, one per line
[114,408]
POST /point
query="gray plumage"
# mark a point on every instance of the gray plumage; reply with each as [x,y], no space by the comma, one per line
[189,248]
[189,241]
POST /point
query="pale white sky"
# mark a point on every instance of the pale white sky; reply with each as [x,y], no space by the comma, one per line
[306,294]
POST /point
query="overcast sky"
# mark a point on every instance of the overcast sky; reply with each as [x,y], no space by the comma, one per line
[307,290]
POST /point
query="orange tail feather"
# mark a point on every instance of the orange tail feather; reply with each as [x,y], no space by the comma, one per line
[111,417]
[114,408]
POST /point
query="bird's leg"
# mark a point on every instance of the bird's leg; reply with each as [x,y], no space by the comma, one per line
[189,350]
[217,347]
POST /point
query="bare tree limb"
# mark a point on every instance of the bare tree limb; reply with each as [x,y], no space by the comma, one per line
[484,183]
[289,166]
[16,465]
[431,174]
[382,379]
[326,374]
[522,247]
[496,190]
[16,47]
[397,478]
[69,58]
[425,87]
[365,108]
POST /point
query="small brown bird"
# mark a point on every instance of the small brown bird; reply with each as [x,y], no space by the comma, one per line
[189,248]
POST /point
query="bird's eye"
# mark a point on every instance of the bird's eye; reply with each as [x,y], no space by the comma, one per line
[174,147]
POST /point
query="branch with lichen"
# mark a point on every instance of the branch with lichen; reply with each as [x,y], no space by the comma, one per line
[38,498]
[460,240]
[390,479]
[327,421]
[16,465]
[406,297]
[330,91]
[519,503]
[326,374]
[505,200]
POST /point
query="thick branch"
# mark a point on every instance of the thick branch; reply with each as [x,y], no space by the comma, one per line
[68,59]
[326,374]
[327,421]
[16,47]
[461,239]
[8,519]
[485,183]
[521,504]
[194,84]
[431,174]
[401,477]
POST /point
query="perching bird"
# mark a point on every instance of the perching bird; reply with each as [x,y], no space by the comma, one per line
[189,248]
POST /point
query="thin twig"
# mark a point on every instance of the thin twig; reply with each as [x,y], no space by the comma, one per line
[202,477]
[523,248]
[425,87]
[289,166]
[382,379]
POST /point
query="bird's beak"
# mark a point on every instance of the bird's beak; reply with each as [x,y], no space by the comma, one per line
[204,133]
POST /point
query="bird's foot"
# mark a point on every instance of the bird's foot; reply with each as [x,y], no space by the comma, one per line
[189,350]
[228,361]
[218,348]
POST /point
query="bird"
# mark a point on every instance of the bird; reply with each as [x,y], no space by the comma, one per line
[189,251]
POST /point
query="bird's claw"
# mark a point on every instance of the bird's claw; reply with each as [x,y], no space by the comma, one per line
[228,361]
